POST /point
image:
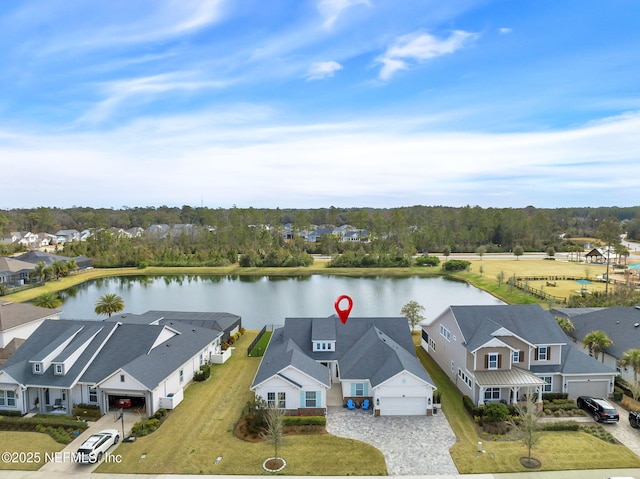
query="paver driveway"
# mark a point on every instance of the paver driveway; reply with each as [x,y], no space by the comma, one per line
[412,445]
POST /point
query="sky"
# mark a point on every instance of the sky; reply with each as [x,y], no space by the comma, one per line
[310,104]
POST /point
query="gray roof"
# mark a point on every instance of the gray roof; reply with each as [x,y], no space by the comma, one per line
[114,346]
[323,330]
[17,314]
[366,348]
[50,331]
[527,321]
[617,322]
[571,312]
[37,256]
[218,321]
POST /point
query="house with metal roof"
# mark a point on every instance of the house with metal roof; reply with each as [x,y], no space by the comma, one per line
[620,323]
[502,352]
[310,360]
[68,362]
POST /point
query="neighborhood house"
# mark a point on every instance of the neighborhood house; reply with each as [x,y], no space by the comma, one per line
[367,360]
[146,359]
[502,352]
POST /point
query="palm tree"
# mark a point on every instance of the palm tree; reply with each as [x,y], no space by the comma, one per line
[40,271]
[59,268]
[631,357]
[565,324]
[597,341]
[109,303]
[48,300]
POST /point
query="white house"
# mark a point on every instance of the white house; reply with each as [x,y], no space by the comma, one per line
[366,358]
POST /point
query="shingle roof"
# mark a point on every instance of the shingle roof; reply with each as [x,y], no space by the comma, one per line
[574,361]
[17,314]
[219,321]
[366,348]
[14,265]
[617,322]
[528,321]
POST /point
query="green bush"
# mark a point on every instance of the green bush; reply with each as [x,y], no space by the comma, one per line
[560,426]
[10,412]
[304,421]
[87,411]
[427,261]
[456,265]
[61,429]
[618,393]
[554,396]
[468,404]
[203,374]
[495,412]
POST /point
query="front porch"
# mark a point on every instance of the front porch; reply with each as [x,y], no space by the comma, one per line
[506,385]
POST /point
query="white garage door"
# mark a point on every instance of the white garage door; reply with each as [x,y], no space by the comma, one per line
[403,406]
[599,389]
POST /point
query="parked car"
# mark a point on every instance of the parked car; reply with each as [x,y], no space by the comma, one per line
[601,409]
[92,450]
[634,419]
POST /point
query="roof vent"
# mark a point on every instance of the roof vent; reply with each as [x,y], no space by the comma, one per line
[635,325]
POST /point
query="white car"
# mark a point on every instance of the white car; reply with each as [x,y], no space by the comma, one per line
[94,448]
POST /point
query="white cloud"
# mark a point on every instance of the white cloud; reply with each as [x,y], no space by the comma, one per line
[419,47]
[332,9]
[320,70]
[505,30]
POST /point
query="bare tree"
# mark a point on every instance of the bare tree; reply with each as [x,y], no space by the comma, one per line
[527,428]
[275,428]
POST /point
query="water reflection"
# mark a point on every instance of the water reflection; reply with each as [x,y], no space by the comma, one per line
[269,299]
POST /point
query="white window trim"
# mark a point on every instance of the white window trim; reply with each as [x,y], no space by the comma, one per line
[497,355]
[445,333]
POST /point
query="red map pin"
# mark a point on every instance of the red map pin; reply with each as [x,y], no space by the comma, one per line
[343,314]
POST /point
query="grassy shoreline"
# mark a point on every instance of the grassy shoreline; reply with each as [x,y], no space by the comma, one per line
[483,274]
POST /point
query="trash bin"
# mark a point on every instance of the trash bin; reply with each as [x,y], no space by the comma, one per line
[435,410]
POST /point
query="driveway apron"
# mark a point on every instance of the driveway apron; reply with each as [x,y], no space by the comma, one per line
[411,445]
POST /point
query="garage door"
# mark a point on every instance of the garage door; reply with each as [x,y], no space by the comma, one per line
[599,389]
[403,406]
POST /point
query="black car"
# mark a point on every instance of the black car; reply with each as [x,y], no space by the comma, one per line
[634,419]
[601,409]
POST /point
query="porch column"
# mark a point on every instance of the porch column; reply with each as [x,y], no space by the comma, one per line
[539,401]
[481,397]
[514,397]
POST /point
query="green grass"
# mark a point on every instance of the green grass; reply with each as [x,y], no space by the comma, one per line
[201,429]
[36,445]
[261,346]
[556,450]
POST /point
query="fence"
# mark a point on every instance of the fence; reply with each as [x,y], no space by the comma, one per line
[255,341]
[521,284]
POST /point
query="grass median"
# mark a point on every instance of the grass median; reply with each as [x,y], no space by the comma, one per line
[201,429]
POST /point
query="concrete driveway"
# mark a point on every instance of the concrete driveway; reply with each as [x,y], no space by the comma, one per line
[623,431]
[411,445]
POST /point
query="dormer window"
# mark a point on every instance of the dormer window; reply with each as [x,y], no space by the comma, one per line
[37,368]
[58,369]
[542,353]
[323,345]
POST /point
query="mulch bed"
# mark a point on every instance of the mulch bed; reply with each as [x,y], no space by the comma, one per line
[241,432]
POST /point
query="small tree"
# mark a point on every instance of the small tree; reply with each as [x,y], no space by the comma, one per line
[518,251]
[275,429]
[48,300]
[527,429]
[500,277]
[413,312]
[631,358]
[481,251]
[551,251]
[565,323]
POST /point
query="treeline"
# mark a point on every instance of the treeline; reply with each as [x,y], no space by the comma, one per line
[220,236]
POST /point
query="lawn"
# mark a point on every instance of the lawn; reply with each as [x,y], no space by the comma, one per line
[261,346]
[32,445]
[556,450]
[201,429]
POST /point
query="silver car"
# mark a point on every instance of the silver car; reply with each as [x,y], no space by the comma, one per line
[93,449]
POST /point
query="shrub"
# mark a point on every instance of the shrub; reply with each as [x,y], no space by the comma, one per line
[495,412]
[456,265]
[304,421]
[618,393]
[203,374]
[10,412]
[427,261]
[554,396]
[87,411]
[560,426]
[467,402]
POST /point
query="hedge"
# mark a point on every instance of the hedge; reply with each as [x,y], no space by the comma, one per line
[560,426]
[61,429]
[304,421]
[87,411]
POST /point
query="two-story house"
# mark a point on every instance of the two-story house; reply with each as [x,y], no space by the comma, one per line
[502,352]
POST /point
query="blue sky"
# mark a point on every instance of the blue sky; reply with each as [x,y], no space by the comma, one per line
[303,104]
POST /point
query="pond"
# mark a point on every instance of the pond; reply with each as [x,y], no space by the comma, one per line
[261,300]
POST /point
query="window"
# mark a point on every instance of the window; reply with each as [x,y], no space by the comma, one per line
[59,369]
[462,375]
[7,398]
[37,368]
[547,387]
[359,389]
[310,399]
[122,378]
[181,374]
[282,400]
[492,361]
[93,395]
[542,353]
[432,344]
[446,334]
[518,357]
[453,367]
[492,394]
[271,399]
